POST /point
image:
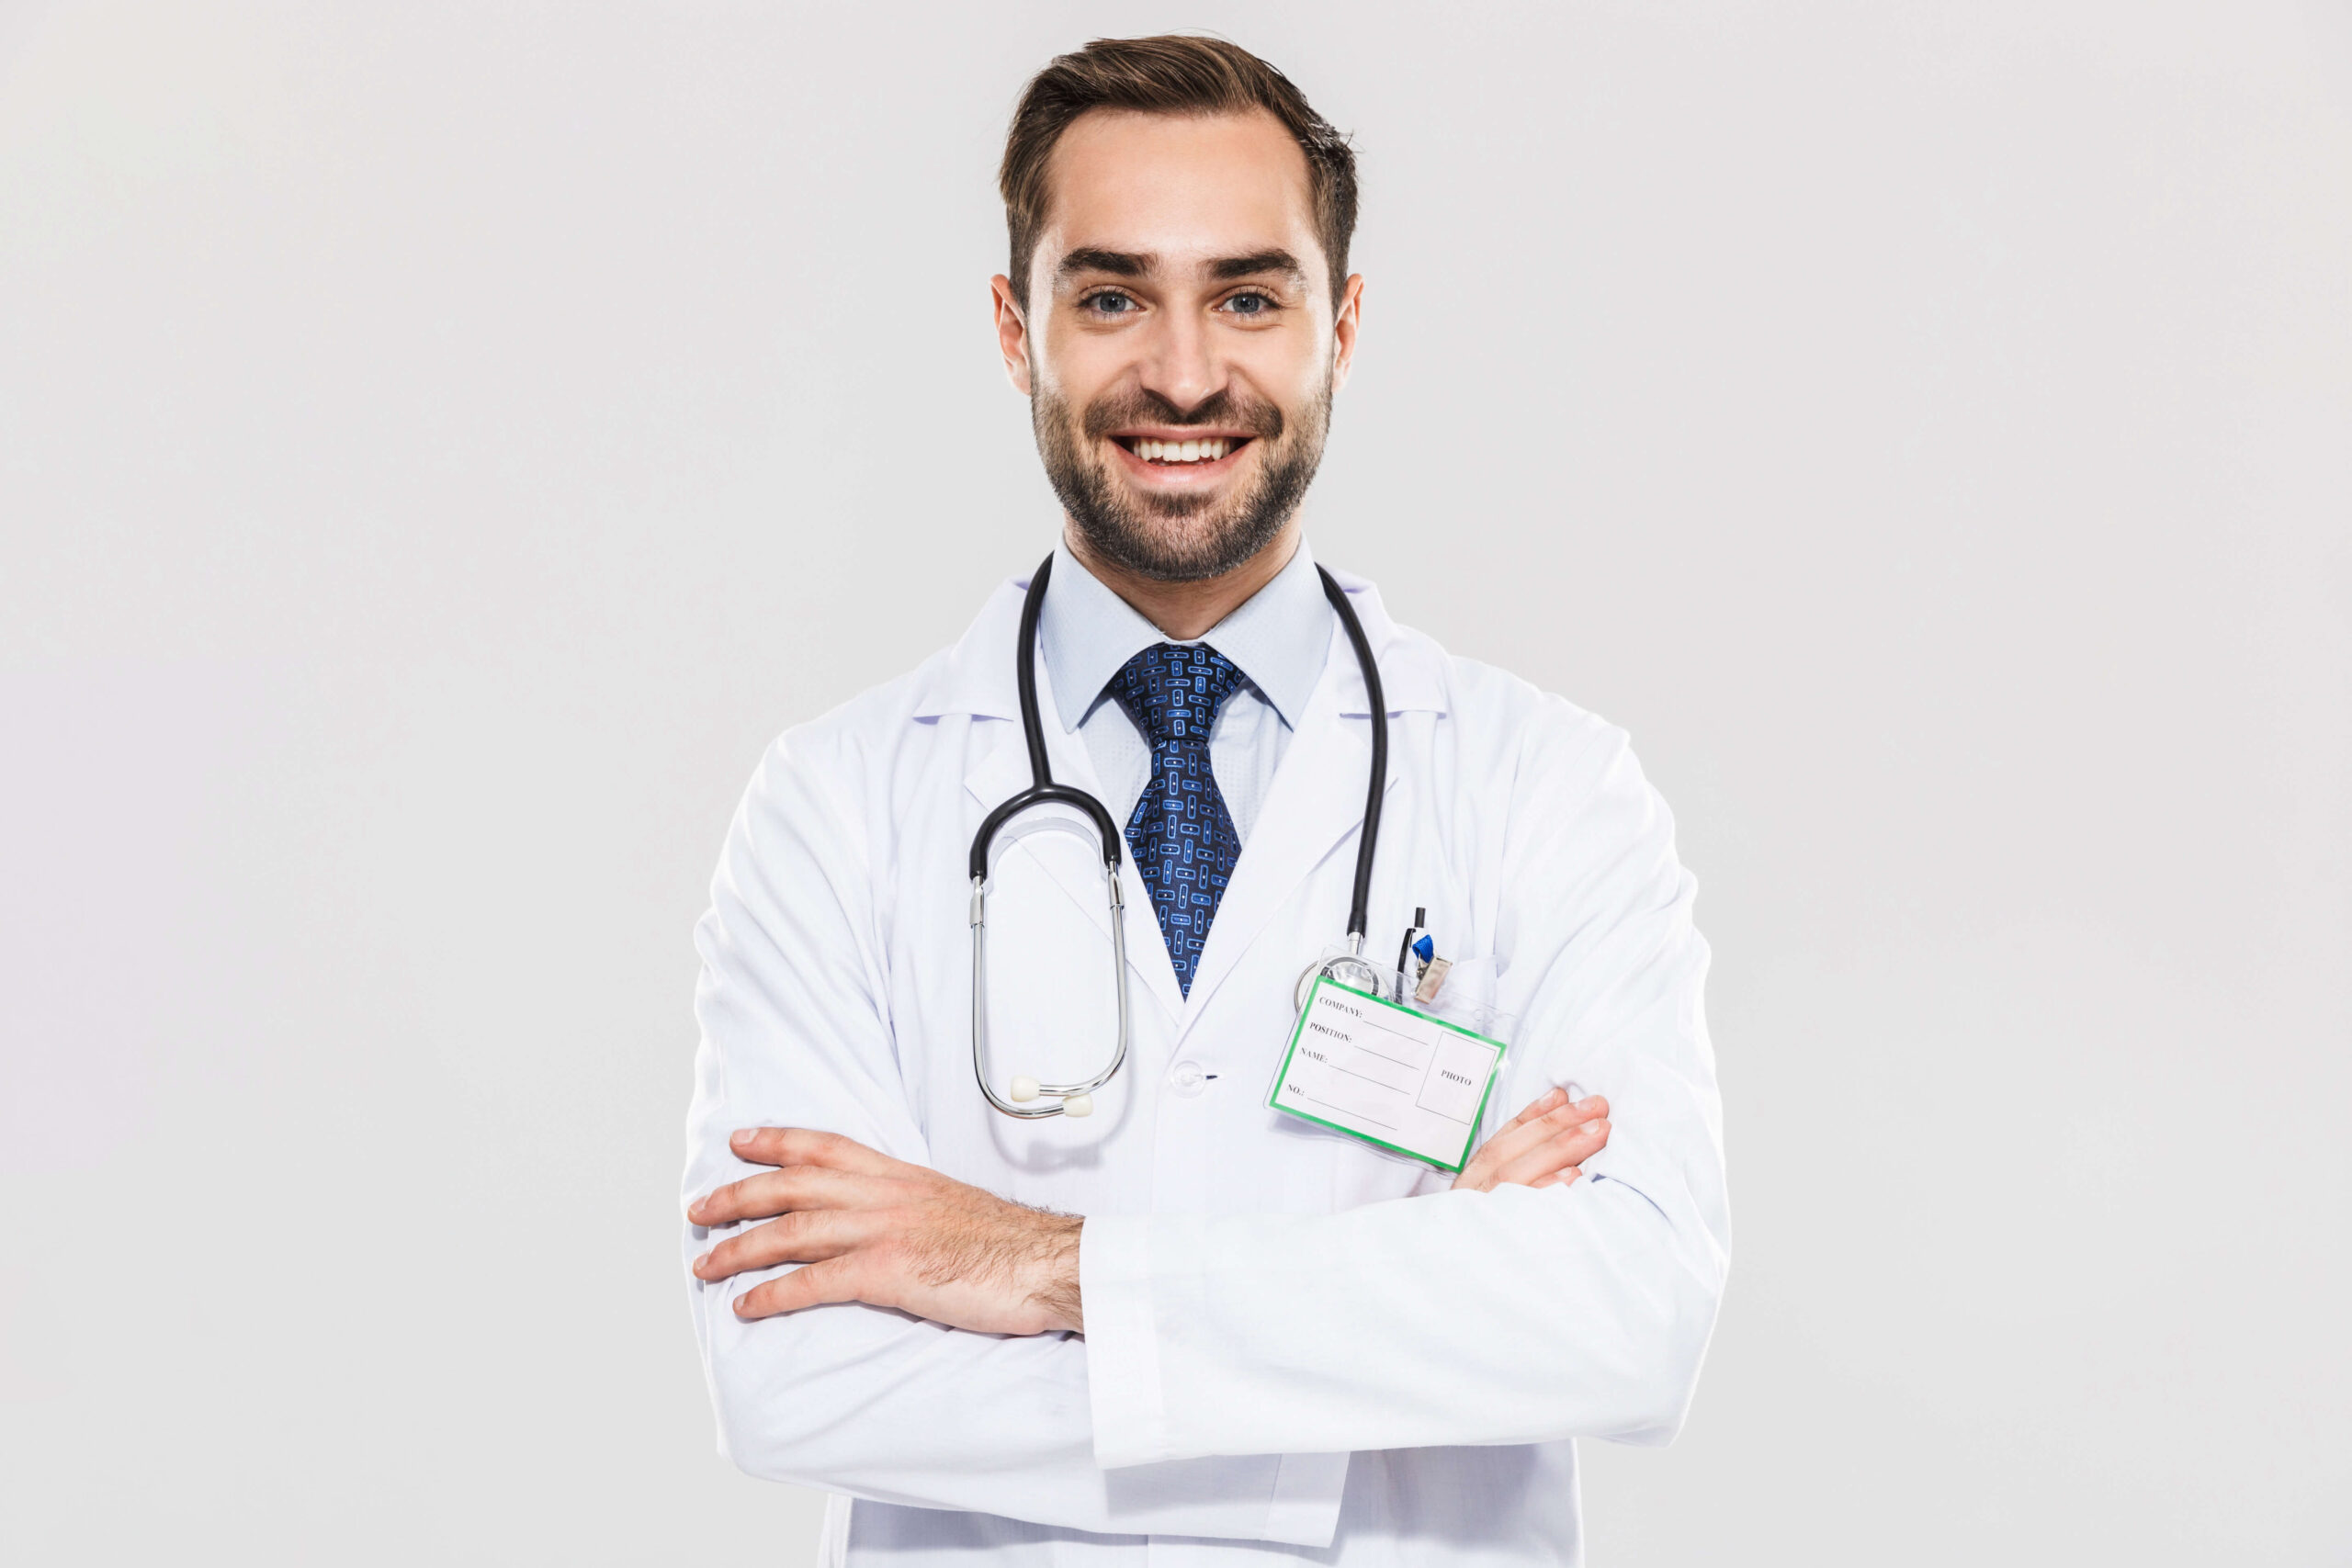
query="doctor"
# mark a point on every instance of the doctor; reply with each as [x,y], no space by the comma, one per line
[1187,1329]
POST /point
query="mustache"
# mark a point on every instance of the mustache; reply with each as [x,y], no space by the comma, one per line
[1144,406]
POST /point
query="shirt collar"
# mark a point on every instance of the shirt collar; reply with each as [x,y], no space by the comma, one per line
[1279,638]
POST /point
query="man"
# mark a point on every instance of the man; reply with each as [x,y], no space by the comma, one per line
[1188,1328]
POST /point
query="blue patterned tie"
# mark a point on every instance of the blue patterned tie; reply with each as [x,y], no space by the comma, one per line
[1182,834]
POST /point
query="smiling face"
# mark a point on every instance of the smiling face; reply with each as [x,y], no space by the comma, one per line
[1180,345]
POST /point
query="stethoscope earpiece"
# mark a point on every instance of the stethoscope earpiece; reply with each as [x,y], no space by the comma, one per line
[1024,1088]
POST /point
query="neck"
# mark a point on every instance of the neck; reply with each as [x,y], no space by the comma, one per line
[1183,611]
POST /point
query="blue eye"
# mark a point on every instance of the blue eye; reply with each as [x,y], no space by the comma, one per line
[1249,304]
[1109,304]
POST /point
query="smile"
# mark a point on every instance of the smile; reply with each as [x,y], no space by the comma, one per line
[1159,453]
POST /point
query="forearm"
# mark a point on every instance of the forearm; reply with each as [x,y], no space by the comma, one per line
[872,1404]
[1509,1317]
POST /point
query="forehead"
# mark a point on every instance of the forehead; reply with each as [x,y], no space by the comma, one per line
[1177,187]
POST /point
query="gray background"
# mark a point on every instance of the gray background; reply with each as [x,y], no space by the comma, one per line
[439,445]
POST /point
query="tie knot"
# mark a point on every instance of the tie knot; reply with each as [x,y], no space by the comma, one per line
[1173,692]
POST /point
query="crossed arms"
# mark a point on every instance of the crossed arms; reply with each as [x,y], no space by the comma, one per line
[910,1359]
[890,1234]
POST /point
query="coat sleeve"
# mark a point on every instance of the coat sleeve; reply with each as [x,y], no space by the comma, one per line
[1512,1316]
[856,1399]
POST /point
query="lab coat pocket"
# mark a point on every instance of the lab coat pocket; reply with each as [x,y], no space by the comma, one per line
[1469,986]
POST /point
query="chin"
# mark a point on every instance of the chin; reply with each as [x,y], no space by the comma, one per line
[1202,542]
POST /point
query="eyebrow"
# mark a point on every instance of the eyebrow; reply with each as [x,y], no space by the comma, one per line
[1118,264]
[1139,264]
[1227,268]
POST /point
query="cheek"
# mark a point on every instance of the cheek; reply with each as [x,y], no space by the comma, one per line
[1078,368]
[1290,370]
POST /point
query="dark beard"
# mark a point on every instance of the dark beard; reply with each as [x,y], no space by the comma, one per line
[1178,539]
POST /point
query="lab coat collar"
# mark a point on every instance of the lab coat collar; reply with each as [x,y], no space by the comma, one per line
[1279,638]
[976,677]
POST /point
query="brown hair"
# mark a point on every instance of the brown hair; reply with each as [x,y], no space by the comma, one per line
[1173,75]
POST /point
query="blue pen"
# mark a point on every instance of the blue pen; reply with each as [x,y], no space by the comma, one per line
[1418,944]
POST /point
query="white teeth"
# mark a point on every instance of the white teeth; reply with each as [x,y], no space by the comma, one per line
[1208,451]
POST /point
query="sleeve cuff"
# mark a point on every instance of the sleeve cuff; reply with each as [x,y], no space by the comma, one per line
[1126,1393]
[1122,1341]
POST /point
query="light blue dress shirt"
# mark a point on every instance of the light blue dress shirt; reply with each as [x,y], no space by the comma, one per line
[1279,638]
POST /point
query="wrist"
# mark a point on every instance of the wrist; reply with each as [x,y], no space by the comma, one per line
[1055,1294]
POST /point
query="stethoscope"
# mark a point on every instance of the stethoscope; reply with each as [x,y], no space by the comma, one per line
[1024,1093]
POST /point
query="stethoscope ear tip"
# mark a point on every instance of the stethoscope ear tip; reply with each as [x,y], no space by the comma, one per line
[1024,1088]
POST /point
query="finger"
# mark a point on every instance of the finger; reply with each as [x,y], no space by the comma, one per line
[1554,1101]
[780,1191]
[1528,1152]
[1550,1099]
[1515,1140]
[1564,1147]
[796,1239]
[800,1145]
[835,1280]
[1572,1146]
[1544,1116]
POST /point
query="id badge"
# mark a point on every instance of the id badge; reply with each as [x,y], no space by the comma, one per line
[1400,1079]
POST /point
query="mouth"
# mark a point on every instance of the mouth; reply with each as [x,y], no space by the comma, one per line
[1172,456]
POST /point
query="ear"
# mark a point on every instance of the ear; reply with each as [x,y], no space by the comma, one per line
[1012,334]
[1345,324]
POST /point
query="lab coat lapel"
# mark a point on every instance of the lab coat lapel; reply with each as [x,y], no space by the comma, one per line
[1312,811]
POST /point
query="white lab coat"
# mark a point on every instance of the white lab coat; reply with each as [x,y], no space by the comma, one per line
[1291,1338]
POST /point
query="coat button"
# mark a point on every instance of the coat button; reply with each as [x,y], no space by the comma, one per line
[1186,1077]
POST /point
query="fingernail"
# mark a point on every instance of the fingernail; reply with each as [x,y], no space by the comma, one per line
[1588,1103]
[741,1302]
[701,1262]
[743,1135]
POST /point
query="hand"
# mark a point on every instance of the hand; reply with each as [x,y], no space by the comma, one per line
[1543,1146]
[870,1229]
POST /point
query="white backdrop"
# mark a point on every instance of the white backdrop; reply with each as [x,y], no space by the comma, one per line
[440,444]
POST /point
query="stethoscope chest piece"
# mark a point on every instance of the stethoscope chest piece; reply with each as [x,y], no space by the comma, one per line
[1347,969]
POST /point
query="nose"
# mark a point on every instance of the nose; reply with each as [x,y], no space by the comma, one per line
[1181,363]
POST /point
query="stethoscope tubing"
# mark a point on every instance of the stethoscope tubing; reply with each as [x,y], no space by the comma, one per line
[1376,699]
[1042,791]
